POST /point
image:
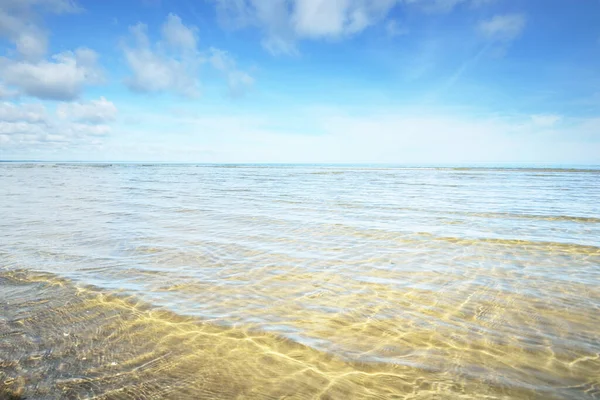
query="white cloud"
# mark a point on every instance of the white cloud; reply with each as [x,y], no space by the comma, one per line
[53,6]
[545,120]
[95,111]
[7,93]
[9,128]
[29,127]
[319,18]
[177,35]
[30,113]
[30,41]
[155,69]
[499,32]
[393,29]
[323,18]
[173,63]
[18,24]
[21,124]
[285,22]
[503,27]
[276,44]
[26,69]
[79,130]
[237,81]
[63,78]
[32,44]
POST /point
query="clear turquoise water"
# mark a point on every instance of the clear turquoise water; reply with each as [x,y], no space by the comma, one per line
[359,281]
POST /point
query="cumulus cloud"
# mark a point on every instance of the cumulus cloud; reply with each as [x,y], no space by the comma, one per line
[503,27]
[173,63]
[61,78]
[15,130]
[29,40]
[31,45]
[177,35]
[7,93]
[30,113]
[18,23]
[21,124]
[285,22]
[27,70]
[323,18]
[31,127]
[95,111]
[78,130]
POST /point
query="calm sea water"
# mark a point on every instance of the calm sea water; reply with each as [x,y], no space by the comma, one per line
[196,281]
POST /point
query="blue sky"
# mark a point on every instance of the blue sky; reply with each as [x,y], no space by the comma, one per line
[325,81]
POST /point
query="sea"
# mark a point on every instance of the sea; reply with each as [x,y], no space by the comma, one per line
[200,281]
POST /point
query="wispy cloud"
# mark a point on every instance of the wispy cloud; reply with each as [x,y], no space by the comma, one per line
[545,120]
[469,63]
[500,30]
[238,81]
[503,28]
[445,6]
[393,28]
[170,65]
[285,22]
[173,63]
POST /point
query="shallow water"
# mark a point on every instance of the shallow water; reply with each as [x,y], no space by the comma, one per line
[197,281]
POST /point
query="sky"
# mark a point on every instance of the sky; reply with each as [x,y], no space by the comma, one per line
[301,81]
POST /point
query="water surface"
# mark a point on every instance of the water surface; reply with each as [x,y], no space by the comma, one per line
[198,281]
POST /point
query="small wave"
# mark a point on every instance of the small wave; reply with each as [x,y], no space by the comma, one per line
[540,217]
[78,342]
[328,173]
[524,169]
[523,243]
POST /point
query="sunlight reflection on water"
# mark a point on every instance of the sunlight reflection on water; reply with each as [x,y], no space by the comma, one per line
[299,281]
